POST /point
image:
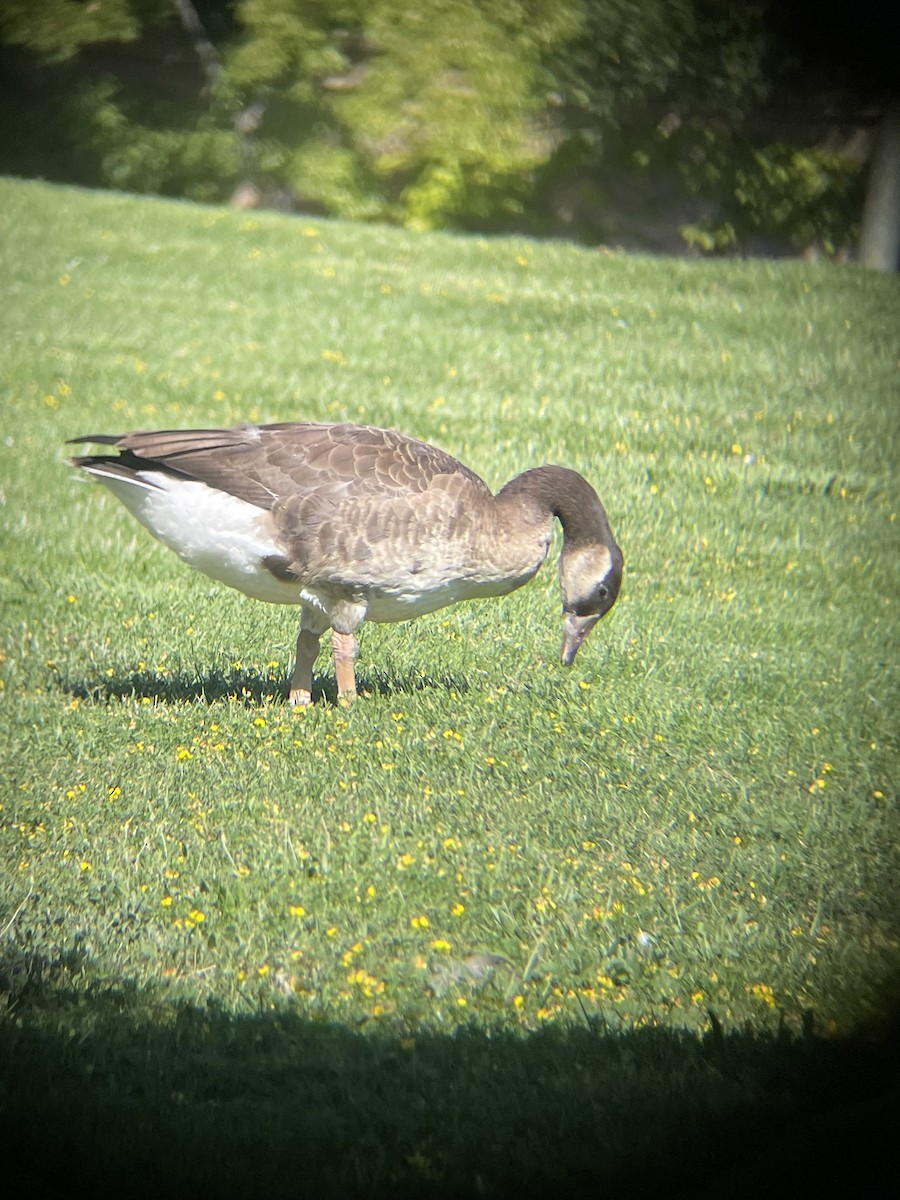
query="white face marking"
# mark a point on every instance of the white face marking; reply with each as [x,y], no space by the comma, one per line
[581,569]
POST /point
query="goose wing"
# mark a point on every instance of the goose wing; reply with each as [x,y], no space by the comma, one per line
[268,464]
[370,504]
[338,495]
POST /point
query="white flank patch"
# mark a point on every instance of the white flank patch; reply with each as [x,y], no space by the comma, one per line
[215,533]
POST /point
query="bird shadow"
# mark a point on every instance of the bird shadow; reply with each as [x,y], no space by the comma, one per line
[245,685]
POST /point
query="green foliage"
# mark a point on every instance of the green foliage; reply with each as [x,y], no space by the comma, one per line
[804,197]
[655,95]
[429,114]
[58,29]
[200,161]
[810,195]
[449,104]
[710,238]
[335,178]
[286,54]
[454,107]
[631,60]
[291,44]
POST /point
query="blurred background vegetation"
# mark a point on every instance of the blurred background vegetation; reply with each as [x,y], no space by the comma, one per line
[661,125]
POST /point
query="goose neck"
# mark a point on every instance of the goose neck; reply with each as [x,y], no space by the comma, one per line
[553,491]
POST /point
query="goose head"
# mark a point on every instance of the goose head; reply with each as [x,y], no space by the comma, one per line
[590,576]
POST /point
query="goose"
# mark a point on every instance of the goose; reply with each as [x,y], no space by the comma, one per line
[356,523]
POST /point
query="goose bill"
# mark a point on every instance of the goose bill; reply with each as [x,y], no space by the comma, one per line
[575,630]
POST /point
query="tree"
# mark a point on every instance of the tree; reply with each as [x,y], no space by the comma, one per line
[850,51]
[584,115]
[879,245]
[427,114]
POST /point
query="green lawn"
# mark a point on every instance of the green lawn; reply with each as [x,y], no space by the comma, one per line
[499,922]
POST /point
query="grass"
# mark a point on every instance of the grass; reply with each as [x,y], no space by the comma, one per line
[500,925]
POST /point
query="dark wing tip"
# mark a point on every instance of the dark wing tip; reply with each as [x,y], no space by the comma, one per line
[99,439]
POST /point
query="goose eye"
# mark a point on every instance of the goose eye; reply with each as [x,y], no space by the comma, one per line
[602,591]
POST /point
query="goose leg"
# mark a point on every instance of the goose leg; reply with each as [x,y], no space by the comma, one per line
[301,680]
[345,651]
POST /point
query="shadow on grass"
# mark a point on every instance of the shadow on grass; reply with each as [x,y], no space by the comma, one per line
[249,686]
[116,1091]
